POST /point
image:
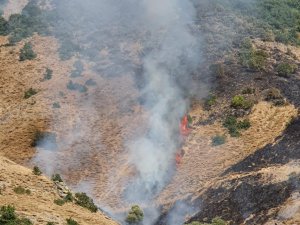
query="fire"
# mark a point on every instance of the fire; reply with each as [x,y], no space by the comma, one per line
[184,132]
[184,126]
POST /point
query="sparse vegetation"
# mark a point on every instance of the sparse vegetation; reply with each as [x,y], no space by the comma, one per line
[135,215]
[240,102]
[286,69]
[56,178]
[71,221]
[85,201]
[69,197]
[9,217]
[50,223]
[218,140]
[253,58]
[30,92]
[248,91]
[48,74]
[21,191]
[36,171]
[27,52]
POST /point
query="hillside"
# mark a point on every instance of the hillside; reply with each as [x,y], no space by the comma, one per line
[96,92]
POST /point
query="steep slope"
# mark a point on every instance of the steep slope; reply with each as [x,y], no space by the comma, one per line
[38,206]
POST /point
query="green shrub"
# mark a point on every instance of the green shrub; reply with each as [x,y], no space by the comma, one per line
[218,140]
[9,217]
[21,191]
[70,221]
[210,101]
[286,69]
[240,102]
[27,53]
[56,177]
[44,139]
[217,69]
[69,197]
[76,87]
[215,221]
[85,201]
[233,126]
[59,202]
[4,28]
[90,82]
[244,125]
[273,94]
[30,92]
[67,49]
[36,171]
[248,91]
[48,74]
[253,59]
[79,67]
[135,215]
[50,223]
[56,105]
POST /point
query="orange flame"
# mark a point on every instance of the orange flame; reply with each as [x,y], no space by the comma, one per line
[184,129]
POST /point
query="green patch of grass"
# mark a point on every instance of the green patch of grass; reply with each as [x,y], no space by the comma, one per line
[29,93]
[218,140]
[286,69]
[36,171]
[27,52]
[21,191]
[71,221]
[85,201]
[135,215]
[239,102]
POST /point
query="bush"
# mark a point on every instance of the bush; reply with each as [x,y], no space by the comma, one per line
[43,139]
[76,87]
[59,202]
[67,49]
[210,101]
[273,94]
[286,69]
[78,65]
[27,52]
[70,221]
[36,171]
[50,223]
[218,140]
[240,102]
[4,29]
[21,191]
[248,91]
[85,201]
[56,178]
[234,127]
[253,59]
[48,74]
[56,105]
[135,215]
[30,92]
[69,197]
[9,217]
[90,82]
